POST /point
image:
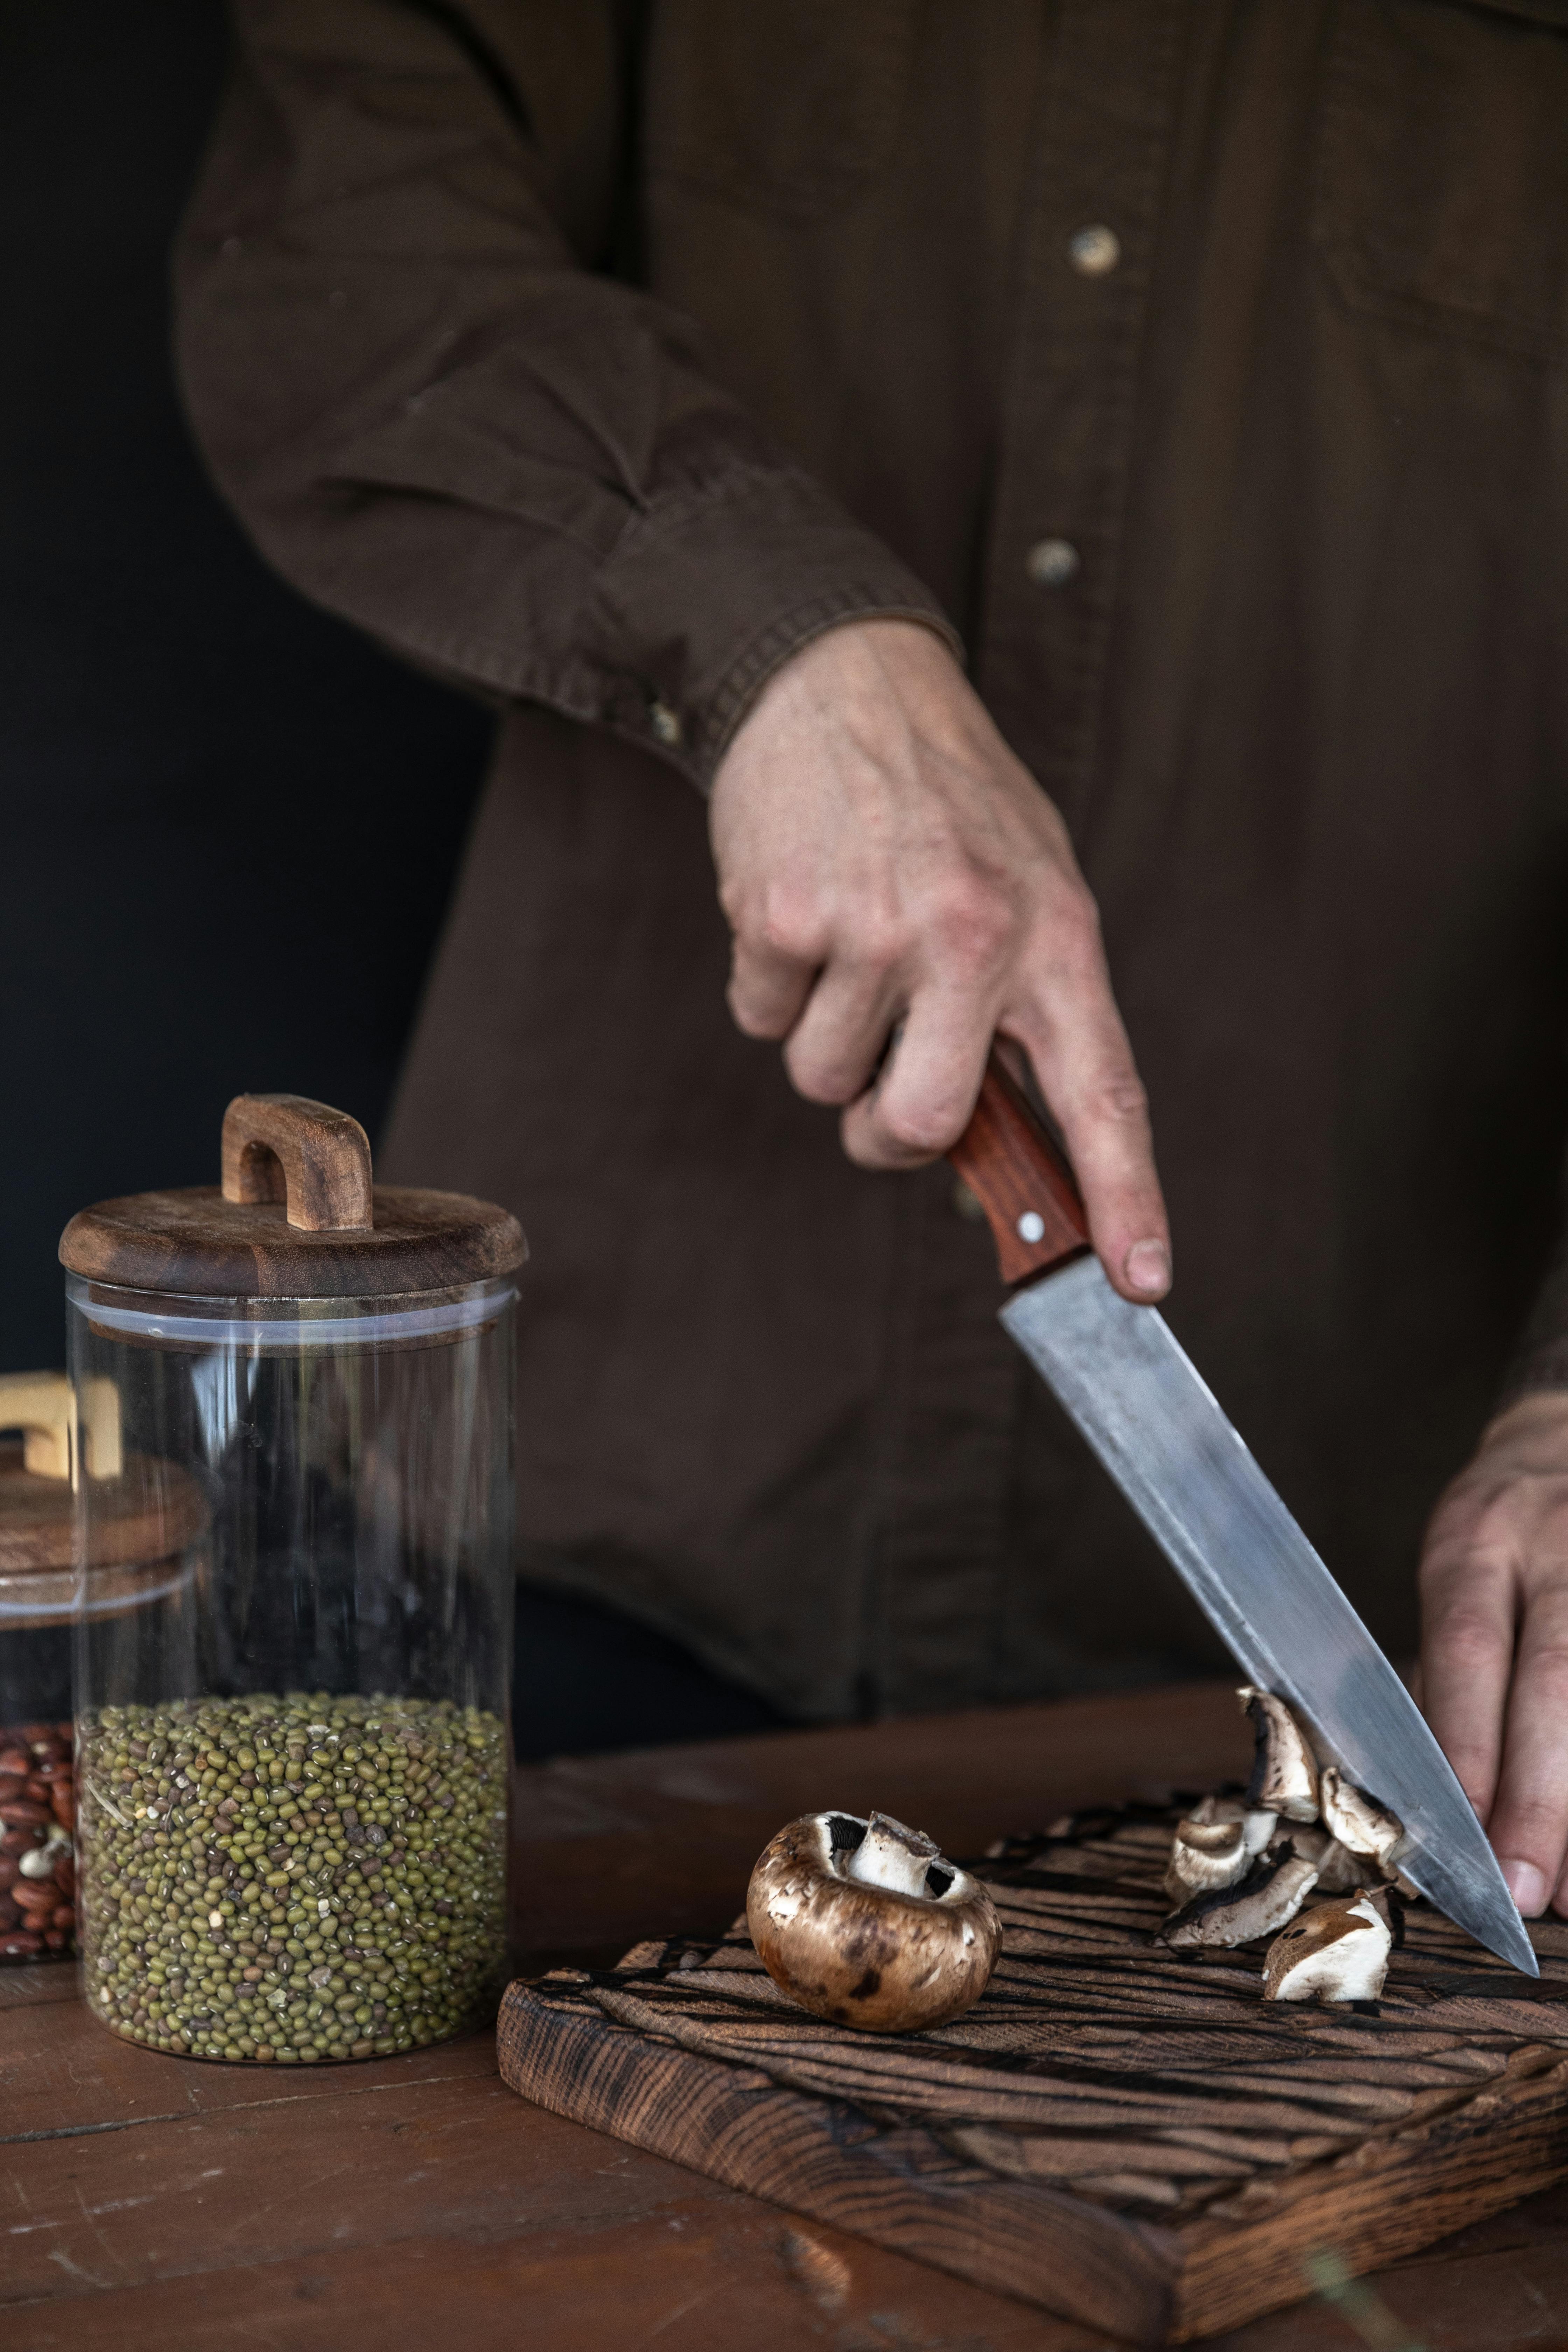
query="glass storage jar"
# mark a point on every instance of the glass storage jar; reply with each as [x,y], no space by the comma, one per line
[137,1556]
[292,1767]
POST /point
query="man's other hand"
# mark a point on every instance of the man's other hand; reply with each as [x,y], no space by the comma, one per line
[883,858]
[1494,1650]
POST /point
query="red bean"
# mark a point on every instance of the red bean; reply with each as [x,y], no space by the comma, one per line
[22,1813]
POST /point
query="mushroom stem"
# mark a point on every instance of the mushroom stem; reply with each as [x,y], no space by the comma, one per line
[893,1856]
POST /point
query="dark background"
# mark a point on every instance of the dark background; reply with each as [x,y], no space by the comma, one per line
[230,825]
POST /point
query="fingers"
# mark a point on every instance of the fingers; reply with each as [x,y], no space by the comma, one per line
[842,1033]
[1467,1605]
[1528,1823]
[768,984]
[926,1094]
[1086,1074]
[881,851]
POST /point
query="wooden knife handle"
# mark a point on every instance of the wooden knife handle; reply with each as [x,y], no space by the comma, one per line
[1021,1181]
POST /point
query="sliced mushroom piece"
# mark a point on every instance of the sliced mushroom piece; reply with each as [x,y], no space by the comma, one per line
[1336,1952]
[1358,1821]
[1284,1768]
[1272,1892]
[1340,1871]
[865,1922]
[1204,1854]
[1257,1829]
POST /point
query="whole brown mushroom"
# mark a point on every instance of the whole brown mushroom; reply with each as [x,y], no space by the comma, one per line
[865,1922]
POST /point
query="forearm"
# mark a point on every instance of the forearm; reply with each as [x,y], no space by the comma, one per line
[438,421]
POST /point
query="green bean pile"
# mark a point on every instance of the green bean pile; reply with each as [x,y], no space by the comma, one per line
[289,1880]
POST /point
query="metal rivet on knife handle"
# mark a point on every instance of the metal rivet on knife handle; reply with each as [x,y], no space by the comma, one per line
[1021,1181]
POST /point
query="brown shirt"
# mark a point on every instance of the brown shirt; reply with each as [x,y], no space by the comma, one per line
[597,356]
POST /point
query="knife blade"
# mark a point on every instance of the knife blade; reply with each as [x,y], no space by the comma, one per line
[1141,1403]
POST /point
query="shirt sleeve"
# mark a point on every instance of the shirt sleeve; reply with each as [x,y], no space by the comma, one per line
[441,414]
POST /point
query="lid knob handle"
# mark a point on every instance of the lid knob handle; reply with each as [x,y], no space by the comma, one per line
[313,1158]
[39,1405]
[55,1423]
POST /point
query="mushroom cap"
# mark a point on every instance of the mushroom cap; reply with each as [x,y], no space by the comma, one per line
[1336,1952]
[1272,1892]
[863,1952]
[1358,1821]
[1284,1768]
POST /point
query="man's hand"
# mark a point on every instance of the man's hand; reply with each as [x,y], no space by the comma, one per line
[1494,1652]
[883,857]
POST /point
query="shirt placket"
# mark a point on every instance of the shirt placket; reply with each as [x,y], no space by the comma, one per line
[1069,407]
[949,1432]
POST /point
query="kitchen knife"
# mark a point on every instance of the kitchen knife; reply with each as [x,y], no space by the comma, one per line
[1146,1412]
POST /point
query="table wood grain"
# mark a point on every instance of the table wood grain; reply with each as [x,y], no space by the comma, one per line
[153,2202]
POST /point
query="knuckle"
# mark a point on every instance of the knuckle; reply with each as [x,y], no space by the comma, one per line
[1532,1821]
[973,925]
[754,1018]
[823,1077]
[775,920]
[1115,1097]
[921,1129]
[1469,1639]
[1548,1670]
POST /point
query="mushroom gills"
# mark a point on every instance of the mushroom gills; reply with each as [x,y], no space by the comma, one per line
[1213,1845]
[1336,1952]
[1272,1892]
[1206,1854]
[1360,1823]
[1284,1768]
[1340,1871]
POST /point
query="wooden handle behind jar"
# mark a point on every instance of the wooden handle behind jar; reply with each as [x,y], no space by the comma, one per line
[313,1158]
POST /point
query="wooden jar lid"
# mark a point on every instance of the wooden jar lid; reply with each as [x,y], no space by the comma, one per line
[151,1510]
[297,1216]
[140,1522]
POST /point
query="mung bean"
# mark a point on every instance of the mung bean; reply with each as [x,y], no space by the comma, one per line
[349,1911]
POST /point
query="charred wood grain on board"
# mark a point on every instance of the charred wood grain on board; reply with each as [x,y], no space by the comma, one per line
[1127,2135]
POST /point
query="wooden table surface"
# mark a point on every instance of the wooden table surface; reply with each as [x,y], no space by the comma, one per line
[414,2202]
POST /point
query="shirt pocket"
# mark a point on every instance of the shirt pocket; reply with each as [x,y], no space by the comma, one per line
[1440,197]
[783,106]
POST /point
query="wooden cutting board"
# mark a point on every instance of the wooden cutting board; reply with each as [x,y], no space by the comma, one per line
[1128,2135]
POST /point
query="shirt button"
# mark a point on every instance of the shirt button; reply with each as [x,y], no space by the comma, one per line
[1095,251]
[1051,562]
[666,724]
